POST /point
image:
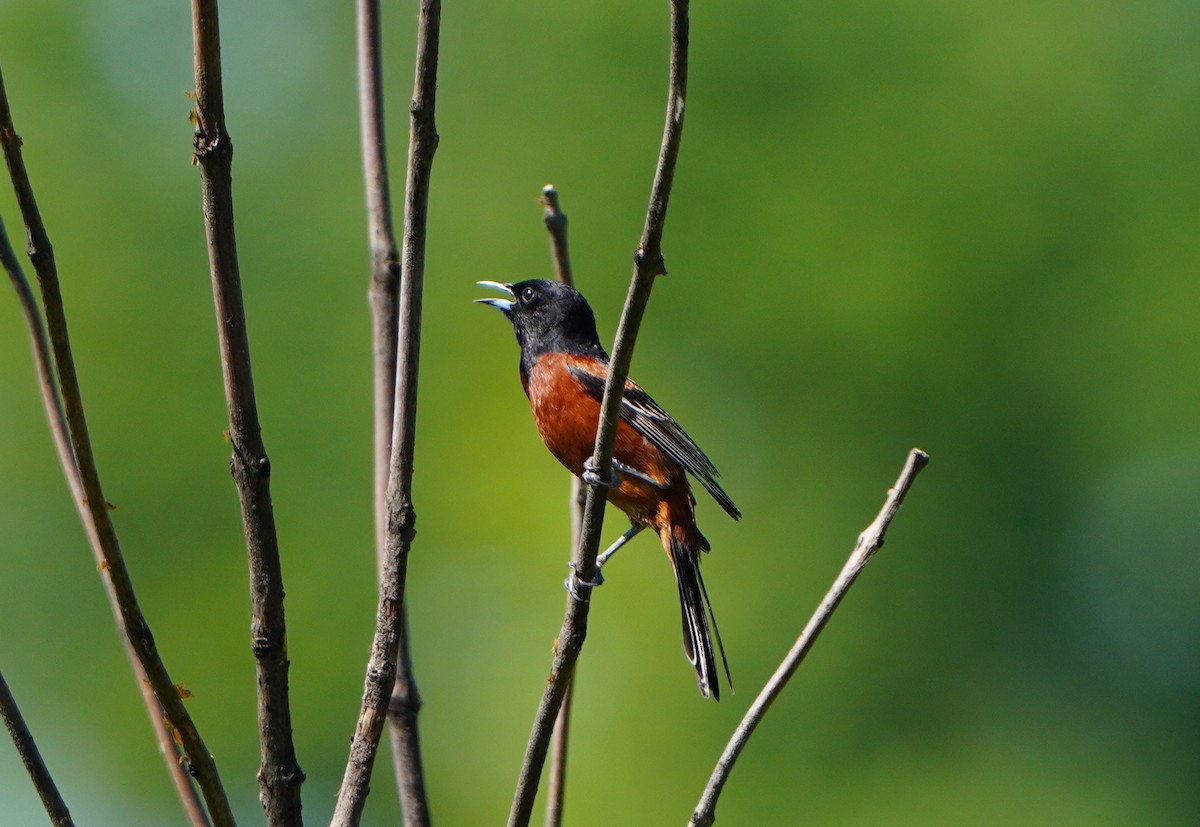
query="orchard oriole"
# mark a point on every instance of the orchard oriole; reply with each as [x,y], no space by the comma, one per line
[563,371]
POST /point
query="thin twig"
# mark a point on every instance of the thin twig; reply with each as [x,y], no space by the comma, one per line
[556,225]
[870,541]
[56,808]
[556,782]
[69,425]
[62,443]
[279,775]
[648,263]
[405,701]
[52,403]
[385,254]
[556,794]
[42,362]
[386,670]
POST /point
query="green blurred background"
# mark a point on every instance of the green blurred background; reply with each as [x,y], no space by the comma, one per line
[973,228]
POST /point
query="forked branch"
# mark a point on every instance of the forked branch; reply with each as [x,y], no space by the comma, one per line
[384,294]
[399,521]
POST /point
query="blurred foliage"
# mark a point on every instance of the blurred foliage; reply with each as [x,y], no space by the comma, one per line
[974,228]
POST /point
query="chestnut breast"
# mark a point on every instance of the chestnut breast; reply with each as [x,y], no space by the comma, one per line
[566,416]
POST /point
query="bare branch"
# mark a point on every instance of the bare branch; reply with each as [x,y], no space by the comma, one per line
[870,541]
[405,702]
[56,808]
[62,443]
[279,775]
[385,675]
[384,299]
[648,263]
[42,362]
[385,255]
[68,423]
[556,224]
[556,794]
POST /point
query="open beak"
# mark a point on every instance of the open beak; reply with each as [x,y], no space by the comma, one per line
[504,305]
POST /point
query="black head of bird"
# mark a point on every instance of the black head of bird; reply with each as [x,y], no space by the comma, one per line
[547,317]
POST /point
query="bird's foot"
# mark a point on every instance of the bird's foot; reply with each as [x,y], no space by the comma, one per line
[592,478]
[574,581]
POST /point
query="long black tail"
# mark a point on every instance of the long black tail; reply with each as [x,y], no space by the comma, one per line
[698,618]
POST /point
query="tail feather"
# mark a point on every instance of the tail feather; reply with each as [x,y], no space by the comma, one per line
[698,618]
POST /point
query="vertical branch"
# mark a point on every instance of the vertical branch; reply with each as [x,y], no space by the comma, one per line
[384,297]
[385,676]
[47,790]
[385,256]
[279,775]
[68,423]
[556,795]
[869,542]
[648,263]
[556,224]
[405,701]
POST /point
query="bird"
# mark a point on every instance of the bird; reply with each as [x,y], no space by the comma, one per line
[563,370]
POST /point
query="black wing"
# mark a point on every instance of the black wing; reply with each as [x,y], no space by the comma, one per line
[649,419]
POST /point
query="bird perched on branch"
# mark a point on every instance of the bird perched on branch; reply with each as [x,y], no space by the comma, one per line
[563,371]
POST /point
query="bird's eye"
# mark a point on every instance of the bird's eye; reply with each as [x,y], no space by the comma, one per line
[527,295]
